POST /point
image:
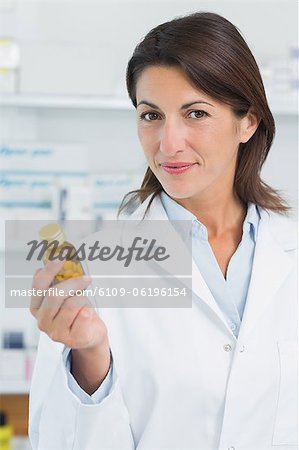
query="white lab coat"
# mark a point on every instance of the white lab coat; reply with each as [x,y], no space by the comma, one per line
[178,384]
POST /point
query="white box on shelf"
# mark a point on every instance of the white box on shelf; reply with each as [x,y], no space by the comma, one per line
[8,81]
[67,70]
[12,365]
[43,158]
[9,54]
[78,203]
[108,190]
[31,191]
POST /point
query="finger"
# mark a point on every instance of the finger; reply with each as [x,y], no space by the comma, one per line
[45,276]
[62,326]
[67,313]
[56,299]
[58,327]
[41,282]
[81,330]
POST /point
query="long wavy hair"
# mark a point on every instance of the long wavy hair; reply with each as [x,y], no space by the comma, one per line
[216,59]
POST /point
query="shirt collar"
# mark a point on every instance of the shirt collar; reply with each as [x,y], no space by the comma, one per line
[182,219]
[251,221]
[176,212]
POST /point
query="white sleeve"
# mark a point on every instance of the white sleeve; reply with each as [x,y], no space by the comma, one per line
[99,395]
[59,420]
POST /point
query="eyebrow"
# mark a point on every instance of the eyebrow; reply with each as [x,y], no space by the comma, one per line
[185,106]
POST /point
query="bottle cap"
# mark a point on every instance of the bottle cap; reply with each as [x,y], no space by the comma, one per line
[52,232]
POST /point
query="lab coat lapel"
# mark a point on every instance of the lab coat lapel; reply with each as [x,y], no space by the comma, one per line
[271,266]
[202,291]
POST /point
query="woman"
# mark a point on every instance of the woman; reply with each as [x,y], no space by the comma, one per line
[219,375]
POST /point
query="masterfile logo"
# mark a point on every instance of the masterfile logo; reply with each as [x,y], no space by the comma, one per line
[131,263]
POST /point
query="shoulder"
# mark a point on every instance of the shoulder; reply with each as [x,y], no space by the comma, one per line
[283,228]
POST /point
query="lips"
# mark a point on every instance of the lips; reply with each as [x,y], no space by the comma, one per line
[177,164]
[178,167]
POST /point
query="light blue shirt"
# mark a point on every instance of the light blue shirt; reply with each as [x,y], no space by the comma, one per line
[229,293]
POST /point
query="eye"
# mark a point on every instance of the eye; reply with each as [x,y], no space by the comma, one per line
[149,116]
[198,114]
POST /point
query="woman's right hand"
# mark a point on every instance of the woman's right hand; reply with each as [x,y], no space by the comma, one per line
[71,320]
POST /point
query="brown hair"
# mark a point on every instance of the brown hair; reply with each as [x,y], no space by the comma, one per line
[216,59]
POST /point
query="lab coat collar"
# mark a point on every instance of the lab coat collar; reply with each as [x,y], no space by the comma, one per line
[276,236]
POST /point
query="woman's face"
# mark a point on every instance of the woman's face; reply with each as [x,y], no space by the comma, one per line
[190,140]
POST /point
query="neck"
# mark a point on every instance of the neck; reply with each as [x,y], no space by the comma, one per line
[220,213]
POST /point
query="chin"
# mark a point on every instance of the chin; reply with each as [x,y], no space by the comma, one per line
[179,194]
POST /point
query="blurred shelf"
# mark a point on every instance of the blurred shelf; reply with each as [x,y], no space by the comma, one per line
[76,102]
[14,387]
[282,105]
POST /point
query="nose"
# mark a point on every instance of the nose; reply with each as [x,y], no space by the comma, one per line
[172,138]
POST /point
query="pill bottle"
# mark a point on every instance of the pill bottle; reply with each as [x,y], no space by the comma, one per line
[5,433]
[60,249]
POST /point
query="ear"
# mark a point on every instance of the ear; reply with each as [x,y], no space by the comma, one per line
[249,124]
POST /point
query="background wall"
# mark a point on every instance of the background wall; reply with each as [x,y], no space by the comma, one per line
[66,96]
[74,52]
